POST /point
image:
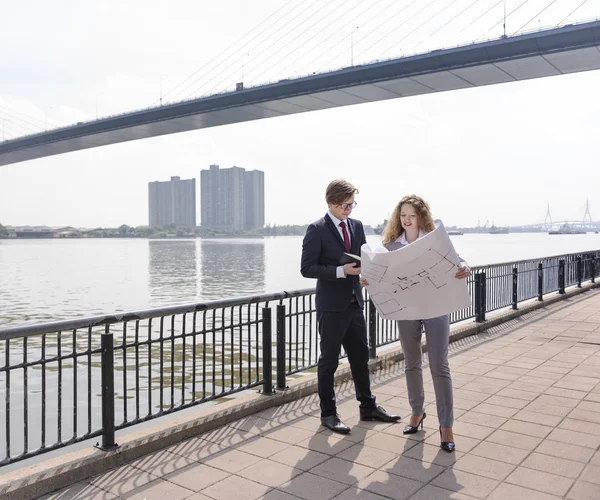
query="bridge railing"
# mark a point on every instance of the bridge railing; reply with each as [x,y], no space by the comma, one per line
[70,381]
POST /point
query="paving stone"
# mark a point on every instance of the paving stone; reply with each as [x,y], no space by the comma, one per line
[269,473]
[410,468]
[473,417]
[541,481]
[585,415]
[196,477]
[471,430]
[327,442]
[342,471]
[236,488]
[389,485]
[158,489]
[365,455]
[231,460]
[538,418]
[496,410]
[310,486]
[123,480]
[261,446]
[430,492]
[161,463]
[510,491]
[576,383]
[584,491]
[356,494]
[591,474]
[466,483]
[553,465]
[80,491]
[433,454]
[299,457]
[508,454]
[485,467]
[513,439]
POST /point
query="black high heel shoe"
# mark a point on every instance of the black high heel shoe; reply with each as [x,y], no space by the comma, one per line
[409,429]
[446,445]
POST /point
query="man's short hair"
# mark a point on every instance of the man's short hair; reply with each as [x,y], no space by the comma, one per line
[339,191]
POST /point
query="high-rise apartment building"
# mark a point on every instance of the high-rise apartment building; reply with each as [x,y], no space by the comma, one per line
[232,198]
[172,203]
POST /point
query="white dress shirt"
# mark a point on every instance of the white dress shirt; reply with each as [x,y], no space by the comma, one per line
[340,269]
[402,238]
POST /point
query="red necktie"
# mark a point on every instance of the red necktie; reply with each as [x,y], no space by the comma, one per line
[346,238]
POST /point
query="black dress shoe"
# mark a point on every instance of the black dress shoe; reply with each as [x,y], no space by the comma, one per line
[446,445]
[378,413]
[409,429]
[333,423]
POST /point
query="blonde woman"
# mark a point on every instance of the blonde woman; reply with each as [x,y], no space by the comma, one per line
[410,221]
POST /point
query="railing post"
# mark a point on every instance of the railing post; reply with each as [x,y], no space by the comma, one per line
[593,268]
[372,330]
[515,277]
[540,282]
[477,297]
[579,272]
[267,353]
[561,276]
[107,378]
[482,296]
[281,347]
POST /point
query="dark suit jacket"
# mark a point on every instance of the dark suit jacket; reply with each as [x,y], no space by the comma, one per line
[322,250]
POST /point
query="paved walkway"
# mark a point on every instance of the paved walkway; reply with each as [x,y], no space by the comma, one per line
[527,398]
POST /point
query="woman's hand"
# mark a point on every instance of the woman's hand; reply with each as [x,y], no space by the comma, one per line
[463,272]
[364,282]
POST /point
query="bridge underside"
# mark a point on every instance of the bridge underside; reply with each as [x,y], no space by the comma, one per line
[565,50]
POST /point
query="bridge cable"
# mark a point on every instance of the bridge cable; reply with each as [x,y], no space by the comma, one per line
[234,44]
[572,12]
[30,117]
[503,20]
[480,16]
[448,22]
[236,61]
[369,33]
[293,40]
[420,26]
[344,26]
[14,115]
[382,38]
[539,13]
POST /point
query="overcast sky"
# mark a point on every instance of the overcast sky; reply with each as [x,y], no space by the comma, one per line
[498,153]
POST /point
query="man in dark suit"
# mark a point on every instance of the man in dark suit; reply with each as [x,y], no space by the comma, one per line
[339,303]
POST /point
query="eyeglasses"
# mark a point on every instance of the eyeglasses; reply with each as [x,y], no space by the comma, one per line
[346,206]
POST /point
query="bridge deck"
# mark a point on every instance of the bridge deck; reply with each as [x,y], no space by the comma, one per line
[527,403]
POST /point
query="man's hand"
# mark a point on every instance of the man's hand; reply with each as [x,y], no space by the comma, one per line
[364,282]
[351,269]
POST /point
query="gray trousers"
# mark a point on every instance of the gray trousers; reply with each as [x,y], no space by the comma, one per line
[437,332]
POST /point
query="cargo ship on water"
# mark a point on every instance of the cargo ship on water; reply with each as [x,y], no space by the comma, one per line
[567,229]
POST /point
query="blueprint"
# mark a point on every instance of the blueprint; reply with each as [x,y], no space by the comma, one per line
[418,280]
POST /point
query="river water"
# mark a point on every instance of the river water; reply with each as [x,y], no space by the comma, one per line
[47,280]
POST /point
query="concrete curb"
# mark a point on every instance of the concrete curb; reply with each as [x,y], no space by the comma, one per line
[56,473]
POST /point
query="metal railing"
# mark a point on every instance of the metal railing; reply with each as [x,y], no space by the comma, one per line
[66,382]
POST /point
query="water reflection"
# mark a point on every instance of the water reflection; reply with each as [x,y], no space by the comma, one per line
[172,275]
[231,268]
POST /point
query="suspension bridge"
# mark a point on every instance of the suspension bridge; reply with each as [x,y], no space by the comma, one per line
[562,49]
